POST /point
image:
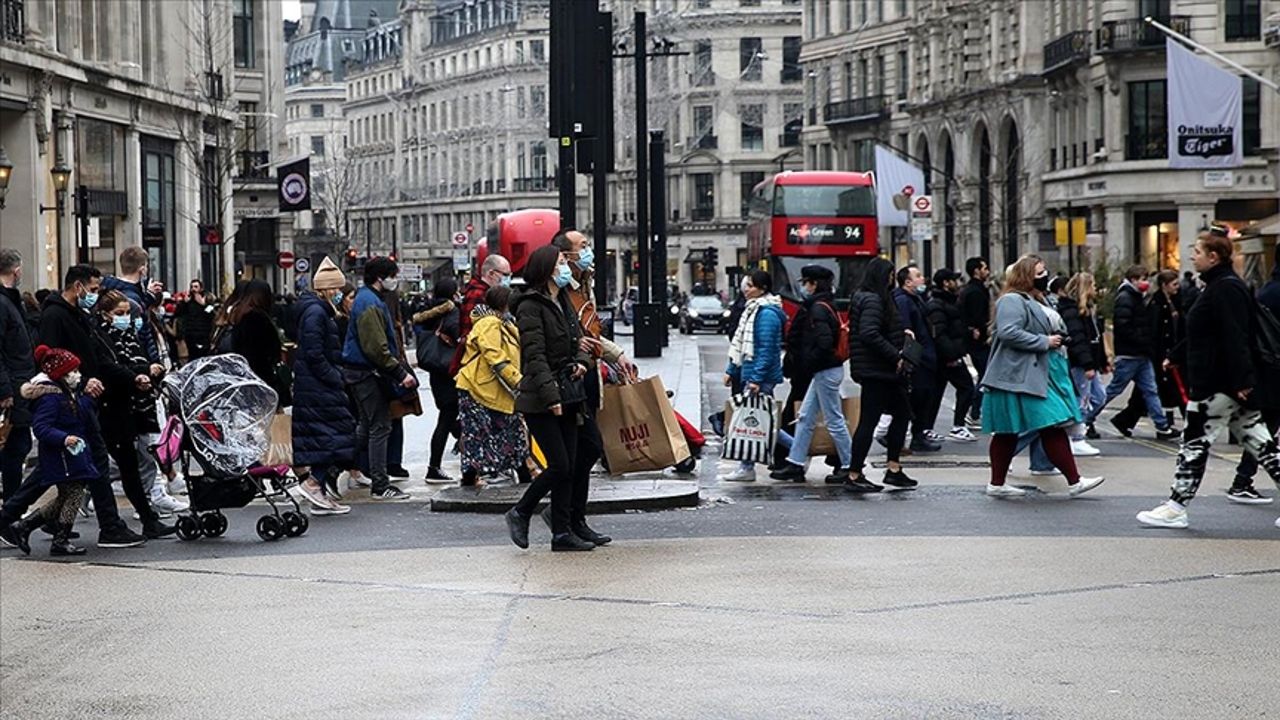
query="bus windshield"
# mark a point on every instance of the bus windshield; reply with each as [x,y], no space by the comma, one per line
[824,201]
[848,270]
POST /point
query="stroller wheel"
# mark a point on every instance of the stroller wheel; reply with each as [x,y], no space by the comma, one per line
[295,523]
[214,524]
[188,528]
[270,528]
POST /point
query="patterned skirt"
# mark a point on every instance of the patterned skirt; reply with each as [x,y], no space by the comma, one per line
[493,443]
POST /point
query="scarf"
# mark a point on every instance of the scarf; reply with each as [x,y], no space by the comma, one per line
[742,348]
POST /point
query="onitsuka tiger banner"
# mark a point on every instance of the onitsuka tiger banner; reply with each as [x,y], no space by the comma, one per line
[1206,111]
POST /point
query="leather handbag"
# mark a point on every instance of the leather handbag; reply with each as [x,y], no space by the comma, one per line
[913,352]
[573,390]
[435,354]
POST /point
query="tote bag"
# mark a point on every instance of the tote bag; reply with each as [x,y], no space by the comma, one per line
[752,429]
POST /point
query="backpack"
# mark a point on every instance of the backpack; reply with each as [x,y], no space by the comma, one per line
[1268,336]
[842,336]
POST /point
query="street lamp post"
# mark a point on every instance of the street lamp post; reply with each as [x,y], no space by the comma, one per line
[6,171]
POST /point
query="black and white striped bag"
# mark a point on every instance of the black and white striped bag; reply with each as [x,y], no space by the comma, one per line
[751,432]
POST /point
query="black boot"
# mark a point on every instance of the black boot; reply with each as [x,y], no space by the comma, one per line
[518,528]
[584,531]
[569,542]
[18,533]
[62,546]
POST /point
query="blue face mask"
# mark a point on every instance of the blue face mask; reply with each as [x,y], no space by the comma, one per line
[586,258]
[337,298]
[121,322]
[563,276]
[804,293]
[137,324]
[921,289]
[505,281]
[89,300]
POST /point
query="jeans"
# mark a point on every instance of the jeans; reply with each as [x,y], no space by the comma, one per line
[979,357]
[374,428]
[558,438]
[880,398]
[1206,421]
[824,397]
[1093,394]
[1039,459]
[12,459]
[1140,372]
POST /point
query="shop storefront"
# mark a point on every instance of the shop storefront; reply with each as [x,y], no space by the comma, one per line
[1156,241]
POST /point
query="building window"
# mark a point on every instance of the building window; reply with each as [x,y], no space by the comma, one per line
[750,59]
[880,84]
[752,118]
[749,3]
[538,101]
[249,126]
[317,145]
[702,72]
[317,111]
[242,32]
[704,196]
[537,51]
[1243,20]
[864,78]
[792,71]
[1147,132]
[702,4]
[703,124]
[903,77]
[902,9]
[1251,131]
[747,183]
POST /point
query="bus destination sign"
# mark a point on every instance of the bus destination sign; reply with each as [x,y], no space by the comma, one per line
[825,234]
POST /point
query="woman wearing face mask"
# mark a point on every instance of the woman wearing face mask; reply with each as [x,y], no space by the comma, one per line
[1027,386]
[323,426]
[755,349]
[495,441]
[441,319]
[125,415]
[551,396]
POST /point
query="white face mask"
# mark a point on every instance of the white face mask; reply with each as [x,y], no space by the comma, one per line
[390,284]
[72,379]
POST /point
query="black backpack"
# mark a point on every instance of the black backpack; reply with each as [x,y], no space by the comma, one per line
[1267,337]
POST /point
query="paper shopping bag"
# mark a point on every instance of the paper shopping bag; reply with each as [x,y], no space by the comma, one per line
[821,444]
[639,428]
[750,433]
[280,452]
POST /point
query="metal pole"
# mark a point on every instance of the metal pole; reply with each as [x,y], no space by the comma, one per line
[1179,36]
[82,205]
[642,160]
[1071,245]
[658,193]
[600,204]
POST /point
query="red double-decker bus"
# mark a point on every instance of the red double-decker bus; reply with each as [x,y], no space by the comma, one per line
[515,235]
[800,218]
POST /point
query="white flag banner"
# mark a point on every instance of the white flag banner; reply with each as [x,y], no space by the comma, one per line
[1206,111]
[893,178]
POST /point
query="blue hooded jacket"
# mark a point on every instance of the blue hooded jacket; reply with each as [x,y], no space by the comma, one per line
[765,366]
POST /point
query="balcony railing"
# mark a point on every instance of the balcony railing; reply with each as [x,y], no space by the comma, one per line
[533,184]
[13,21]
[1146,146]
[254,164]
[703,142]
[790,138]
[1116,36]
[703,214]
[1066,51]
[863,109]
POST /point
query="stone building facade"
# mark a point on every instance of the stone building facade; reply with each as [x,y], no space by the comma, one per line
[131,98]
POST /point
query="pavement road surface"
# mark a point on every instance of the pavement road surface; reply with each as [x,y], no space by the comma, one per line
[769,601]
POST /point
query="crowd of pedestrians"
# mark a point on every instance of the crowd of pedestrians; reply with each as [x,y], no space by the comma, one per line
[517,379]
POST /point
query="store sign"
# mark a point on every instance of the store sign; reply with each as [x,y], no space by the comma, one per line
[294,183]
[1206,111]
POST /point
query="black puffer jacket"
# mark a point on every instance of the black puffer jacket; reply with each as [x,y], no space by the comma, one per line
[1085,349]
[794,346]
[950,331]
[1132,323]
[815,342]
[877,337]
[1218,333]
[548,348]
[1169,324]
[975,306]
[17,364]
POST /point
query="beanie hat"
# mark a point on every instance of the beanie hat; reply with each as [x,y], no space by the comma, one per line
[328,276]
[55,362]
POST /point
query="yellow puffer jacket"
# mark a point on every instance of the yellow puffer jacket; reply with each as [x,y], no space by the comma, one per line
[491,363]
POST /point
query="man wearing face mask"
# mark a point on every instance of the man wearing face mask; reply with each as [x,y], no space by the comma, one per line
[1132,330]
[65,324]
[143,294]
[909,297]
[372,368]
[495,271]
[578,300]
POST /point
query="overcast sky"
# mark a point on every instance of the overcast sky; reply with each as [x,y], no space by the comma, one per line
[292,9]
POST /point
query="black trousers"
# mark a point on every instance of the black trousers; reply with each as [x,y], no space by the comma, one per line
[125,454]
[557,436]
[445,394]
[590,449]
[923,385]
[878,398]
[957,376]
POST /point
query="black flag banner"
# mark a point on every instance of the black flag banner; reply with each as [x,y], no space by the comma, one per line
[294,180]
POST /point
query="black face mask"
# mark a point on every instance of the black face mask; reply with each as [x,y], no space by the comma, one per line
[1042,282]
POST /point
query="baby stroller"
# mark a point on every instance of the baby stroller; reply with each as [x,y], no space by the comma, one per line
[220,415]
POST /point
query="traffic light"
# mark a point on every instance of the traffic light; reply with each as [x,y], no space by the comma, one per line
[712,257]
[351,258]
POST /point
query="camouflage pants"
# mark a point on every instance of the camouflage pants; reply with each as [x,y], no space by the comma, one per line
[1206,421]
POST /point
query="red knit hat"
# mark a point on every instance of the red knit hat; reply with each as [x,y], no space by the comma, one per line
[55,362]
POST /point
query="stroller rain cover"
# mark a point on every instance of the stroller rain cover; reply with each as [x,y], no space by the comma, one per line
[227,410]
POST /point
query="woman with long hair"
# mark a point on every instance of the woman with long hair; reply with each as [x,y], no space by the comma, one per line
[441,319]
[1027,385]
[552,394]
[1086,353]
[254,334]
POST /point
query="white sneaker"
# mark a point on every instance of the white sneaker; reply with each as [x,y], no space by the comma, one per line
[741,474]
[333,509]
[361,480]
[1278,522]
[1084,485]
[1082,448]
[1167,514]
[1045,473]
[961,433]
[178,485]
[936,437]
[1005,491]
[167,504]
[315,496]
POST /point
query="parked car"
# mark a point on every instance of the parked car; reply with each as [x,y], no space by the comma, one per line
[704,312]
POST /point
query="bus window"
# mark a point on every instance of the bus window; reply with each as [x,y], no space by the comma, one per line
[848,271]
[824,201]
